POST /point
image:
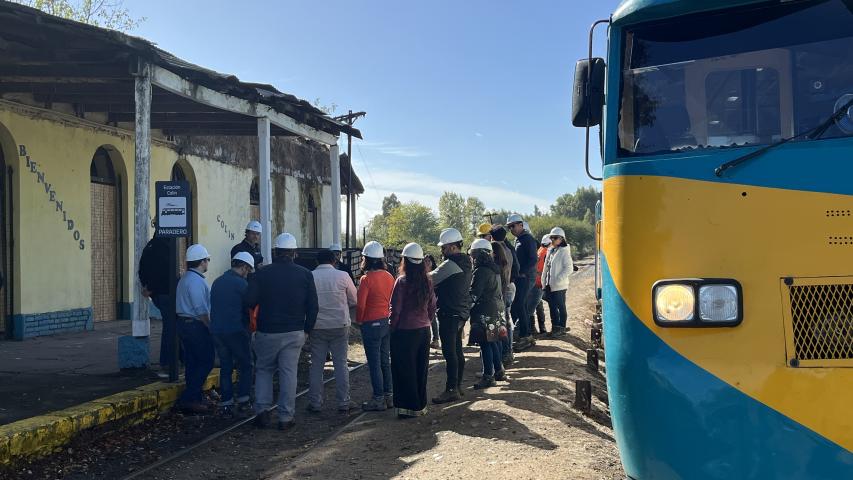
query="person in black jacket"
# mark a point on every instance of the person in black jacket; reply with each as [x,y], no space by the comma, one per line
[287,300]
[154,271]
[486,312]
[452,282]
[525,250]
[251,243]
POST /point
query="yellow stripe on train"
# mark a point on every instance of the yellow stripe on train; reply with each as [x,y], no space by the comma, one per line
[661,227]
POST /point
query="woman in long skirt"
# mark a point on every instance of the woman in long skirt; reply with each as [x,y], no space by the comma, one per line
[412,309]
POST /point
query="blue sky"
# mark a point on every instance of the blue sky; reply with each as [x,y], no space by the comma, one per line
[468,96]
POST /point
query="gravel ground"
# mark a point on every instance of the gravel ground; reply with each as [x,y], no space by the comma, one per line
[523,428]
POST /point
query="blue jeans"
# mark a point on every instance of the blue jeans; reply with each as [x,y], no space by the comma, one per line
[533,299]
[557,306]
[231,348]
[376,337]
[491,353]
[520,314]
[506,342]
[198,358]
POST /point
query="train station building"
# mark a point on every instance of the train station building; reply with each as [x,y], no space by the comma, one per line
[90,119]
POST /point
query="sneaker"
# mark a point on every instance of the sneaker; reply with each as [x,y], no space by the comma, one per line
[486,382]
[311,408]
[374,405]
[558,332]
[389,401]
[446,397]
[500,376]
[347,407]
[284,426]
[226,411]
[508,360]
[436,345]
[262,420]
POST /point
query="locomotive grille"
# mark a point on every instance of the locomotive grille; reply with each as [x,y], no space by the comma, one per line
[821,322]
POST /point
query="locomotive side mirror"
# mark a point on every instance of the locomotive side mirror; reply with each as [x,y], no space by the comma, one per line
[588,92]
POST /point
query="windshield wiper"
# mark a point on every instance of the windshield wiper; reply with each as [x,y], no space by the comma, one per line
[812,134]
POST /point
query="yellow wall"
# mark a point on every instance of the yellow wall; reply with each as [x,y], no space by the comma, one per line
[52,271]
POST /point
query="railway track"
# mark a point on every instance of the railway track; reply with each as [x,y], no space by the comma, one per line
[148,469]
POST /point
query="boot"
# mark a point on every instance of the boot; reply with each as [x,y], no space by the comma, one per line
[486,382]
[374,405]
[262,420]
[500,376]
[446,397]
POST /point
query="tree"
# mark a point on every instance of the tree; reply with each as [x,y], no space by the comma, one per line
[588,217]
[389,203]
[575,205]
[474,209]
[412,222]
[579,234]
[101,13]
[537,212]
[451,212]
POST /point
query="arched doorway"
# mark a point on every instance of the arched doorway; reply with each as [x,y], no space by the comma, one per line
[312,222]
[105,248]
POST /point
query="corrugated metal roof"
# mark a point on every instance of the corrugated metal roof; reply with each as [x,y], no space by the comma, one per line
[285,103]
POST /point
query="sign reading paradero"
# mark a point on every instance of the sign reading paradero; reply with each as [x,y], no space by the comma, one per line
[174,209]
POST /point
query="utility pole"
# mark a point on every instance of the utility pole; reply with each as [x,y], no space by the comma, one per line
[350,118]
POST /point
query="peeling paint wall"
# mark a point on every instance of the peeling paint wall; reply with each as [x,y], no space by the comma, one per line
[52,203]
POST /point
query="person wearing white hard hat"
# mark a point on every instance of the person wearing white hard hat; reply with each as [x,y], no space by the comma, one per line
[525,252]
[534,298]
[487,320]
[330,336]
[452,281]
[555,280]
[251,243]
[413,305]
[229,324]
[192,304]
[373,315]
[287,300]
[340,264]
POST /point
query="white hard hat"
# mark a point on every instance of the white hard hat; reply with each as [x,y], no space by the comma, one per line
[557,232]
[197,252]
[546,240]
[373,249]
[254,226]
[448,235]
[285,241]
[514,218]
[245,257]
[414,252]
[335,247]
[481,243]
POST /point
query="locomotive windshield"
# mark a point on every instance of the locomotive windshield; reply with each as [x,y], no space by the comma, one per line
[741,78]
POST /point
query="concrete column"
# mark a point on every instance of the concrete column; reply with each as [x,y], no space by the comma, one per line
[335,162]
[142,170]
[265,186]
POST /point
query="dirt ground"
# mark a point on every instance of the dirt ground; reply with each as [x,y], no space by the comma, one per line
[525,428]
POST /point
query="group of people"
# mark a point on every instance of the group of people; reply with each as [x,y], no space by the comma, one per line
[256,317]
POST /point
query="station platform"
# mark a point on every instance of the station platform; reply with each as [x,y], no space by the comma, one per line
[54,387]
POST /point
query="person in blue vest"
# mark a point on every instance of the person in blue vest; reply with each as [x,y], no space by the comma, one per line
[229,324]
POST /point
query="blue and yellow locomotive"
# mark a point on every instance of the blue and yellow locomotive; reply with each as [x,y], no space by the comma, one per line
[727,235]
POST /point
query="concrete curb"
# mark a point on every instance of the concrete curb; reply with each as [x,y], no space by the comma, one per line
[43,434]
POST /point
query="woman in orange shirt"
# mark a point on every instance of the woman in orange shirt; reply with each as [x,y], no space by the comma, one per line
[372,314]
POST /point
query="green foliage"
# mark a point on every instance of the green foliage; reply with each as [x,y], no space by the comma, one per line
[389,203]
[451,211]
[579,234]
[404,223]
[575,205]
[100,13]
[474,209]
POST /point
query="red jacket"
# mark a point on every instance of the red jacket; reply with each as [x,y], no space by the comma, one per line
[540,264]
[374,296]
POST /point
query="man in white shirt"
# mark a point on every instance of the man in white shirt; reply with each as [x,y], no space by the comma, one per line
[336,295]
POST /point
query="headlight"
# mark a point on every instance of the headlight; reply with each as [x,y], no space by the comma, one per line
[674,302]
[718,303]
[697,302]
